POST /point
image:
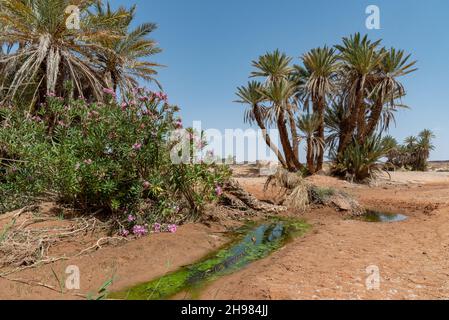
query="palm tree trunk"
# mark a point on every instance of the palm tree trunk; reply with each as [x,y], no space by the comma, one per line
[310,160]
[294,133]
[266,136]
[374,119]
[320,133]
[361,124]
[292,162]
[351,124]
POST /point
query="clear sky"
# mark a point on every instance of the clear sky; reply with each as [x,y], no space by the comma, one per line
[209,45]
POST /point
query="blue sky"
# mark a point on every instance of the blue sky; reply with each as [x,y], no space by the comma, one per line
[209,45]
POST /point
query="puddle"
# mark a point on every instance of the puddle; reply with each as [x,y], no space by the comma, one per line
[253,242]
[377,216]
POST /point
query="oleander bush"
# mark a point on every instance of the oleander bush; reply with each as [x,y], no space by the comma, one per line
[114,158]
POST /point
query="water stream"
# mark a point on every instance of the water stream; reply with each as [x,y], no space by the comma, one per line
[253,242]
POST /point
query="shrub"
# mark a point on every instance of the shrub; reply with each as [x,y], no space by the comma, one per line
[113,158]
[361,161]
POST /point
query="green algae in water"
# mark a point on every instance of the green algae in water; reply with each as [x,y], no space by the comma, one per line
[254,243]
[376,216]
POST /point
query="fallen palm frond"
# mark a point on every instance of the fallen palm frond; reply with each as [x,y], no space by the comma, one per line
[298,198]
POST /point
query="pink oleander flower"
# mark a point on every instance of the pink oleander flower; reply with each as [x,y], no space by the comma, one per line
[200,145]
[172,228]
[137,146]
[219,191]
[124,105]
[146,185]
[124,233]
[109,91]
[88,162]
[157,227]
[139,231]
[131,218]
[178,124]
[51,94]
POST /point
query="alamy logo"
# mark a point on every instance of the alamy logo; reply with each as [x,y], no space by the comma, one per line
[373,19]
[73,280]
[73,20]
[373,279]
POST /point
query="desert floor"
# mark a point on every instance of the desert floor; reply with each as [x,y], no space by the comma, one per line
[329,262]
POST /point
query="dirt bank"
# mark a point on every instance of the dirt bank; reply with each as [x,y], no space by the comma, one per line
[130,263]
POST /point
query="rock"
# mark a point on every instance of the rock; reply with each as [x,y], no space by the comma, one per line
[341,203]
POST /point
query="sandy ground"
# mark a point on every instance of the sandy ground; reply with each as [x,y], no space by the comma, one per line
[131,263]
[330,262]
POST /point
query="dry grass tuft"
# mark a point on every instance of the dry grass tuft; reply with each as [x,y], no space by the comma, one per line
[298,199]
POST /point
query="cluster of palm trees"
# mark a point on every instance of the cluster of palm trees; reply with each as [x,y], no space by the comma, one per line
[41,53]
[337,97]
[413,154]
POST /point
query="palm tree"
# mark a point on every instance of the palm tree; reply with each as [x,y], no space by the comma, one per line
[309,124]
[49,52]
[125,60]
[423,149]
[387,88]
[320,71]
[273,66]
[360,58]
[410,142]
[280,91]
[252,95]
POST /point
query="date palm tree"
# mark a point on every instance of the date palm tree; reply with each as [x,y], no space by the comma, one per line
[275,67]
[279,95]
[424,147]
[387,89]
[360,58]
[309,124]
[252,95]
[125,61]
[49,52]
[320,70]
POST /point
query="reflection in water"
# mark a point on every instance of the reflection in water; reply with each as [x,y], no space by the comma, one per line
[376,216]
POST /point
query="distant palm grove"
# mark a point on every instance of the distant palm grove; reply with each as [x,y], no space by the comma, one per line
[339,98]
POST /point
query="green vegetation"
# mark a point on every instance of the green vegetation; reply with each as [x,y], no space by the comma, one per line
[76,128]
[105,157]
[254,242]
[348,95]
